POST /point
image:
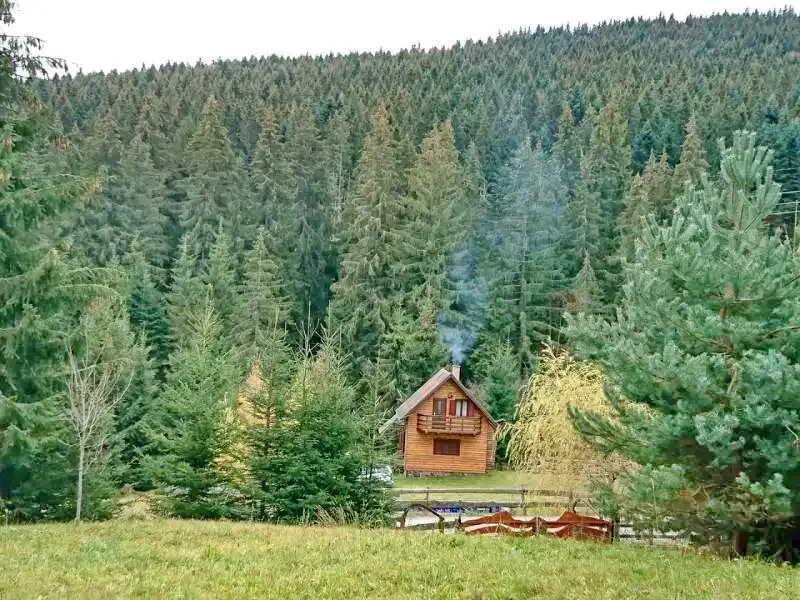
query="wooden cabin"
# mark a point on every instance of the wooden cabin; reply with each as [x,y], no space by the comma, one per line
[443,429]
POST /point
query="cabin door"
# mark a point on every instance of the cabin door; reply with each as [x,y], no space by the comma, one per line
[439,419]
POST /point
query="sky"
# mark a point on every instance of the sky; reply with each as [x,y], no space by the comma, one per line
[98,35]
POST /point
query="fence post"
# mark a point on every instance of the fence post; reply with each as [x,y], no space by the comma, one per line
[523,505]
[427,494]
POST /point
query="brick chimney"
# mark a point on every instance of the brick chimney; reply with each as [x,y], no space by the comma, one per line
[455,369]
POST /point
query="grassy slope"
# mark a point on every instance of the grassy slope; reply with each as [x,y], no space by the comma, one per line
[193,559]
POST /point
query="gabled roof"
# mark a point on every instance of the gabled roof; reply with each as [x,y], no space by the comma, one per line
[426,389]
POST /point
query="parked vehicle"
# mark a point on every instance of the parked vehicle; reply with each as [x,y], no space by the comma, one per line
[382,473]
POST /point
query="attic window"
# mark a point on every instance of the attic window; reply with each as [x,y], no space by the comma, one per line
[447,447]
[462,408]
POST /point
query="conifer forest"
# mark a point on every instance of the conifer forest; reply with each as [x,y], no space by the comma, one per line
[217,280]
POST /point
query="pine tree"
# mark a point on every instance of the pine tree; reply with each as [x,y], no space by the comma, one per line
[703,370]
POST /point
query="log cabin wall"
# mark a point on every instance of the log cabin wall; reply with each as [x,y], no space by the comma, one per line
[473,456]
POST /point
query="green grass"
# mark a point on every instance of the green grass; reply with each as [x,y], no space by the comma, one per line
[195,559]
[496,479]
[493,479]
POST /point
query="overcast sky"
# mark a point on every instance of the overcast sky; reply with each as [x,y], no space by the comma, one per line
[120,34]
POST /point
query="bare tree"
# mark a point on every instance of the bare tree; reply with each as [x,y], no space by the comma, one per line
[95,388]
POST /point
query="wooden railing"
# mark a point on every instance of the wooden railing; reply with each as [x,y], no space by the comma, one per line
[523,501]
[452,425]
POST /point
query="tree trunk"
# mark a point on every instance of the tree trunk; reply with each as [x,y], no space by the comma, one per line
[79,490]
[739,541]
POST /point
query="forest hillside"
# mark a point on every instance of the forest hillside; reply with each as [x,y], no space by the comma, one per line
[218,280]
[393,190]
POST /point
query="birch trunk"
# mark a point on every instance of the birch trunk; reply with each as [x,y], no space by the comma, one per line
[79,491]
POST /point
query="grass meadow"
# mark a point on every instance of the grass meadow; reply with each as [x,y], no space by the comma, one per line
[208,559]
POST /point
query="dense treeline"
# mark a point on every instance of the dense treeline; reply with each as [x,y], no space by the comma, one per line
[284,242]
[396,189]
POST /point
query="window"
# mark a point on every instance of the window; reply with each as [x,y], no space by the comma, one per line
[447,447]
[461,408]
[439,407]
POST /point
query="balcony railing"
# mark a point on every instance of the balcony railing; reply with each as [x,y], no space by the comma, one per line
[452,425]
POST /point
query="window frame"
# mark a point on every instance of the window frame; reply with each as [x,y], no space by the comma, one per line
[441,403]
[446,447]
[462,403]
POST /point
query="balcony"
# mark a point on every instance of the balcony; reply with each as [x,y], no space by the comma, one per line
[449,425]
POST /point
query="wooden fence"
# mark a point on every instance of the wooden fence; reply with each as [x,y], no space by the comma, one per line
[492,499]
[524,501]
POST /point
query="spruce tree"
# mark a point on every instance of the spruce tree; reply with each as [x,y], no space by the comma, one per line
[585,291]
[566,149]
[702,366]
[187,432]
[649,194]
[262,308]
[271,180]
[142,194]
[692,163]
[361,297]
[603,178]
[533,223]
[41,293]
[309,464]
[500,382]
[219,276]
[434,225]
[311,215]
[215,187]
[146,308]
[411,349]
[185,292]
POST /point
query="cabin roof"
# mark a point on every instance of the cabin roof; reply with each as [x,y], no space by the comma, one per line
[426,389]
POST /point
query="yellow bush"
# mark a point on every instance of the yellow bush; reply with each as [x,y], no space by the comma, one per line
[542,437]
